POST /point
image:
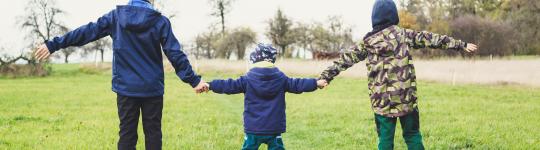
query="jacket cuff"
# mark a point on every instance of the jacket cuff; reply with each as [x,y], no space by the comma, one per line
[314,84]
[50,46]
[212,85]
[328,79]
[463,45]
[195,82]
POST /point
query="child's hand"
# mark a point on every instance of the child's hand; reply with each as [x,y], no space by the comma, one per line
[322,84]
[202,87]
[471,47]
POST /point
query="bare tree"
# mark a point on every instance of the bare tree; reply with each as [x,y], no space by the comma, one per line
[242,38]
[204,44]
[279,31]
[493,37]
[321,38]
[224,46]
[9,68]
[303,38]
[525,16]
[100,46]
[65,53]
[42,20]
[220,9]
[340,34]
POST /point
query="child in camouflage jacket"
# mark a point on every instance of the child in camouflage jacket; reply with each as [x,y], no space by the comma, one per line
[391,75]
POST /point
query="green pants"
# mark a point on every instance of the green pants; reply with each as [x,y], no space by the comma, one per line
[410,124]
[253,141]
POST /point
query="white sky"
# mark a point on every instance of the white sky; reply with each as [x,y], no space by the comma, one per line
[193,15]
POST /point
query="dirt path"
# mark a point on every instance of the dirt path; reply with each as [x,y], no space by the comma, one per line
[525,72]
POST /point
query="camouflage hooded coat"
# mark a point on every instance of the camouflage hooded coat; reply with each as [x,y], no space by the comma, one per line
[391,74]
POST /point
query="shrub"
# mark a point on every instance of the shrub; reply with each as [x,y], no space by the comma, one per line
[9,68]
[493,37]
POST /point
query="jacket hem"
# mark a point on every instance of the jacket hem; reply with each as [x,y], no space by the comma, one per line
[395,115]
[265,132]
[138,94]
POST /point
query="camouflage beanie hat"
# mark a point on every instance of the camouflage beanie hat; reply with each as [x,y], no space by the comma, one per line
[263,52]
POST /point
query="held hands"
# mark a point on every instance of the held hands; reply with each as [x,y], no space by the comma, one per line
[42,52]
[321,84]
[471,48]
[203,87]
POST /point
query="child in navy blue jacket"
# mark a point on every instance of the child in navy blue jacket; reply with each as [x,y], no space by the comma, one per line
[140,35]
[264,88]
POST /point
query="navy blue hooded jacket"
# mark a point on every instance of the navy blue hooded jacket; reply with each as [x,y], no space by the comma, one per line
[139,35]
[264,97]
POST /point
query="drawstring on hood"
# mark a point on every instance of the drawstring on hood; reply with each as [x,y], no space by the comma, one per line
[384,15]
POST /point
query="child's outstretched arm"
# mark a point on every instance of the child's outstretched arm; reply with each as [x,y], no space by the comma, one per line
[346,60]
[424,39]
[229,86]
[78,37]
[300,85]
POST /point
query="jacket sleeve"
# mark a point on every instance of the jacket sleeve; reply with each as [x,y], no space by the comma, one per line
[179,60]
[298,85]
[229,86]
[424,39]
[346,60]
[83,35]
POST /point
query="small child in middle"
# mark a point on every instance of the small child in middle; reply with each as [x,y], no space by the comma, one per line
[264,88]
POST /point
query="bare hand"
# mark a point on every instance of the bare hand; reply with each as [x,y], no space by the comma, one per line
[322,84]
[471,48]
[202,87]
[42,52]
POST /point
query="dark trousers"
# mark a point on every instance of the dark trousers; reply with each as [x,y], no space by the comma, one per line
[253,142]
[129,109]
[410,124]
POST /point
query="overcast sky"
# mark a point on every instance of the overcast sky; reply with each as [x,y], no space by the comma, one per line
[193,16]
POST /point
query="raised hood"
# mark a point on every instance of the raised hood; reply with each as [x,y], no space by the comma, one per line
[137,18]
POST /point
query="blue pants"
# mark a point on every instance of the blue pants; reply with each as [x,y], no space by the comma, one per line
[253,141]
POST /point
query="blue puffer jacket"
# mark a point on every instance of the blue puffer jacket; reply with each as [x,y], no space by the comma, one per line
[264,97]
[139,35]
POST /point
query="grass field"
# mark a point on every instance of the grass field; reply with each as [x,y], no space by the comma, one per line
[72,110]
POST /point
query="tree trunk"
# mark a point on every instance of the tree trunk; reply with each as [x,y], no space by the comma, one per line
[66,59]
[282,51]
[228,55]
[241,53]
[222,15]
[208,54]
[222,24]
[305,51]
[101,52]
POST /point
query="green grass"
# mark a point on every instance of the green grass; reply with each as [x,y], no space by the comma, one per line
[72,110]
